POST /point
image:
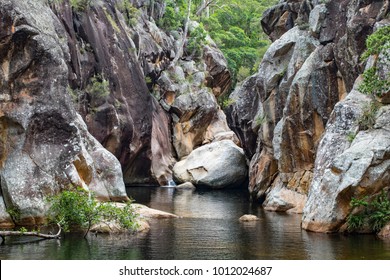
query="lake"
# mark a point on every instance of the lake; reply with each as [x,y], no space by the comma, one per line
[208,229]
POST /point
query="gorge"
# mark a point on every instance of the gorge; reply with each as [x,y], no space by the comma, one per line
[98,94]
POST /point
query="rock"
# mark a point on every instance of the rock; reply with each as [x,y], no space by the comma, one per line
[113,227]
[317,18]
[45,145]
[195,110]
[241,114]
[5,218]
[149,213]
[120,116]
[248,218]
[280,18]
[345,169]
[280,113]
[385,232]
[186,186]
[219,130]
[216,165]
[220,76]
[281,198]
[161,146]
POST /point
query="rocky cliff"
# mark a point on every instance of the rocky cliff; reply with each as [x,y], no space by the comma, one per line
[45,145]
[90,96]
[294,116]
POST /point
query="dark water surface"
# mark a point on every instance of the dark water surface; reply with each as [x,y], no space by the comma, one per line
[208,229]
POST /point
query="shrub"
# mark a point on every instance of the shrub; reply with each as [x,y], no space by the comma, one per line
[375,214]
[378,44]
[98,87]
[368,118]
[131,13]
[77,209]
[196,41]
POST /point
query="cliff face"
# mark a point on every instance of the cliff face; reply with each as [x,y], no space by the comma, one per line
[300,107]
[118,43]
[45,145]
[76,102]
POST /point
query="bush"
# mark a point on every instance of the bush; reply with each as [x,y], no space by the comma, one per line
[374,214]
[378,44]
[77,209]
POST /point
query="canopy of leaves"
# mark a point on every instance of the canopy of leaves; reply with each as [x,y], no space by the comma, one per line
[234,25]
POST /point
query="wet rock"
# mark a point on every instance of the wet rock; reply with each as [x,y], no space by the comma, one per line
[385,232]
[248,218]
[149,213]
[186,186]
[216,165]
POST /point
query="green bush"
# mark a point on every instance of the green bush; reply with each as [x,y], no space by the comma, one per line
[378,44]
[98,87]
[77,209]
[131,13]
[375,214]
[196,41]
[368,118]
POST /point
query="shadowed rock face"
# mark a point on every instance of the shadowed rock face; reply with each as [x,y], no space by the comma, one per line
[311,66]
[45,145]
[120,117]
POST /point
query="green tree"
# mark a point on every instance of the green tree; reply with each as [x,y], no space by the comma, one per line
[76,209]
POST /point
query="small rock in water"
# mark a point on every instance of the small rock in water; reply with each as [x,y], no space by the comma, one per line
[186,186]
[248,218]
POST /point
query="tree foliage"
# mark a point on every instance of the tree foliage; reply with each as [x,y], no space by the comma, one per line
[76,209]
[234,25]
[375,213]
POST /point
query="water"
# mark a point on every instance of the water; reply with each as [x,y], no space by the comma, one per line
[208,229]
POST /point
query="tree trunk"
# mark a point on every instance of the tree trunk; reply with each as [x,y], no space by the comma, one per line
[180,51]
[3,234]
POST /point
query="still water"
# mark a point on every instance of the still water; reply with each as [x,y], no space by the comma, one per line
[208,229]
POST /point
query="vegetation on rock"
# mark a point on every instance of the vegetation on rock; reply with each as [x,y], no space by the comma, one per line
[373,214]
[378,45]
[77,209]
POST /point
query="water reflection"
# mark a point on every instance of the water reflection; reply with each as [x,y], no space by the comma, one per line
[208,229]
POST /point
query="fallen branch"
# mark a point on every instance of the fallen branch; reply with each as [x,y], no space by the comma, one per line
[3,234]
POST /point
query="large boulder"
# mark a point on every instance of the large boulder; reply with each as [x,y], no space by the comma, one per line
[216,165]
[45,145]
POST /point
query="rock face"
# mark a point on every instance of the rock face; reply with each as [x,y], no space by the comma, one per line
[117,57]
[75,97]
[216,165]
[45,145]
[286,117]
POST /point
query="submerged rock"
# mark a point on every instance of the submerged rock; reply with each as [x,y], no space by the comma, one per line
[216,165]
[248,218]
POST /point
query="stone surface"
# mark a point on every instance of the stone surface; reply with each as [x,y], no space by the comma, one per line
[347,169]
[216,165]
[186,186]
[149,213]
[385,232]
[248,218]
[45,145]
[280,114]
